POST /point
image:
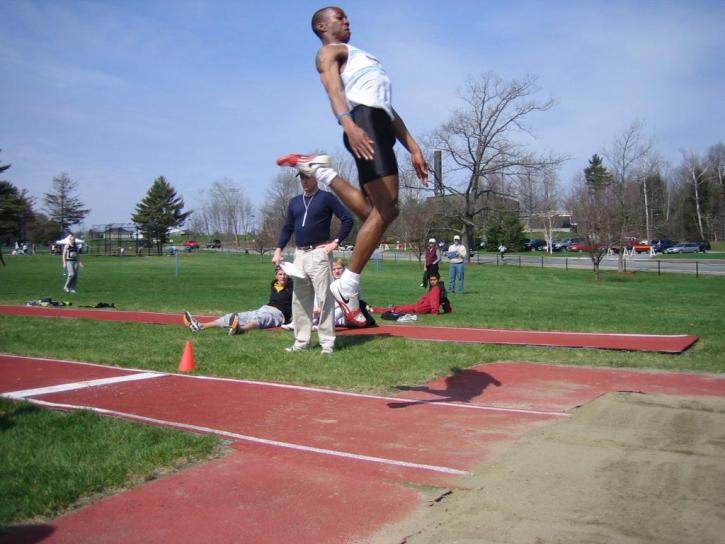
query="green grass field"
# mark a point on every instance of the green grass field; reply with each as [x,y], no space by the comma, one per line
[50,460]
[216,283]
[69,445]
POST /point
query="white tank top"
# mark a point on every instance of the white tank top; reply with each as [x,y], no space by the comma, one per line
[366,81]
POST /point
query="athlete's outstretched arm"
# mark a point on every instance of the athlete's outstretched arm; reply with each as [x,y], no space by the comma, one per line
[416,155]
[330,58]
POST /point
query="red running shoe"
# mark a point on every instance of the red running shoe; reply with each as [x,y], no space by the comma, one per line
[307,164]
[350,305]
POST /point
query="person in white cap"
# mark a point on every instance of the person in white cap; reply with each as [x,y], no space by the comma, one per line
[432,258]
[309,218]
[456,256]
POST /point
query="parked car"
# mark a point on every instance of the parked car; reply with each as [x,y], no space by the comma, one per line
[628,245]
[660,245]
[583,246]
[563,245]
[533,245]
[191,244]
[684,247]
[214,244]
[642,247]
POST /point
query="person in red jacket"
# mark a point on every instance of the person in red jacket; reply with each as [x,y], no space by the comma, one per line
[430,303]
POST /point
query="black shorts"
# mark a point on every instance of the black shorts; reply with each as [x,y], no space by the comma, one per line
[378,125]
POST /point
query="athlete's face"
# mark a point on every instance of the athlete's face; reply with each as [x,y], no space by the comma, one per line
[338,26]
[281,277]
[433,281]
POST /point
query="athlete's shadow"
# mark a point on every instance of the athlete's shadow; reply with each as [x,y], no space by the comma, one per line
[461,386]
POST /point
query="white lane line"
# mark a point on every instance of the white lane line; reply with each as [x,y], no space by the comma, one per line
[539,332]
[431,402]
[399,400]
[80,385]
[255,439]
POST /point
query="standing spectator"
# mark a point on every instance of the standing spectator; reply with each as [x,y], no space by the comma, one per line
[502,249]
[432,258]
[70,260]
[456,256]
[309,216]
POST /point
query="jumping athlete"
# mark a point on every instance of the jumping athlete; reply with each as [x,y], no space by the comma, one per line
[360,94]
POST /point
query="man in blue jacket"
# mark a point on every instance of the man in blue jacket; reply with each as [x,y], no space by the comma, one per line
[309,218]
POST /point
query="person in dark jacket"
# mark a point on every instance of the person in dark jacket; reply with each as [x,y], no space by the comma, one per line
[275,313]
[432,258]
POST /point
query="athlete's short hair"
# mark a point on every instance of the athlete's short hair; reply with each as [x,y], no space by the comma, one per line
[320,16]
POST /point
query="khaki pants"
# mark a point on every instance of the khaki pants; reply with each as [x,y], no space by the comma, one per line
[317,267]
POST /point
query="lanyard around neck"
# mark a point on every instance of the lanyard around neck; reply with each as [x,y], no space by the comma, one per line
[307,206]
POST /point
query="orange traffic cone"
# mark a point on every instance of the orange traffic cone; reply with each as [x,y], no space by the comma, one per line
[187,358]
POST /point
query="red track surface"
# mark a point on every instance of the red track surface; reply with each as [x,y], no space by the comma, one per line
[630,342]
[311,465]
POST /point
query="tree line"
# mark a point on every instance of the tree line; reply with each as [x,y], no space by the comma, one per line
[488,183]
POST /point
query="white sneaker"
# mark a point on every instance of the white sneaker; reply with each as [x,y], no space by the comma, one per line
[307,164]
[349,303]
[288,326]
[295,348]
[327,351]
[407,317]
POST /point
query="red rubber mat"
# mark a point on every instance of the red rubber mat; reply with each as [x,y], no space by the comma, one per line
[674,343]
[308,465]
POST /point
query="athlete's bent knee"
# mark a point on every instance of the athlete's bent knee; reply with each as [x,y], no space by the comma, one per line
[390,213]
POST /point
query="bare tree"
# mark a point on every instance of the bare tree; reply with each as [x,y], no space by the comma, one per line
[420,217]
[716,164]
[538,193]
[627,158]
[695,172]
[594,205]
[227,210]
[482,146]
[274,210]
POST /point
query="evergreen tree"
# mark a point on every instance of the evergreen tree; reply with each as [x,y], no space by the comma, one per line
[159,211]
[16,211]
[596,173]
[63,207]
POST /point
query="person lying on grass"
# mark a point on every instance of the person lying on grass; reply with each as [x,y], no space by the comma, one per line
[275,313]
[433,302]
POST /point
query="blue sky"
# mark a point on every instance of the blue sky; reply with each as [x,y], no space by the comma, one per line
[117,93]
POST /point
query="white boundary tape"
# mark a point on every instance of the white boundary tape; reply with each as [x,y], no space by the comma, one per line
[432,402]
[80,385]
[254,439]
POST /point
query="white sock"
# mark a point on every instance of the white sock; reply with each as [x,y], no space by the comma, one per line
[350,281]
[325,175]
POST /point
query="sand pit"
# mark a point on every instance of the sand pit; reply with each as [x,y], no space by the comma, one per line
[625,468]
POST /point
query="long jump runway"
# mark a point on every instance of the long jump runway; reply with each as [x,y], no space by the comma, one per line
[308,465]
[665,343]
